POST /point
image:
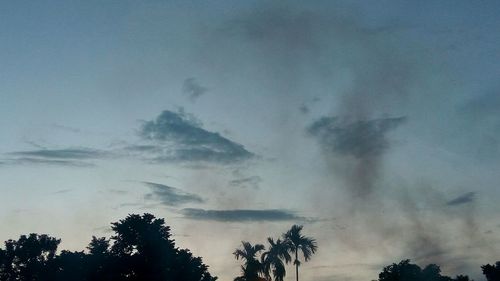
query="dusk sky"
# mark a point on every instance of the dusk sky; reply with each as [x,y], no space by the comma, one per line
[375,124]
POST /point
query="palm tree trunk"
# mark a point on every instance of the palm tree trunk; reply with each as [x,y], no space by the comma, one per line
[297,265]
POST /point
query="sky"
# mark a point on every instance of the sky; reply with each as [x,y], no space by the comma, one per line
[376,125]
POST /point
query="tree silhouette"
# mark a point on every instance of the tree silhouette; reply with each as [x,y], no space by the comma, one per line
[492,272]
[71,266]
[252,266]
[141,249]
[406,271]
[462,278]
[100,260]
[307,246]
[275,258]
[28,258]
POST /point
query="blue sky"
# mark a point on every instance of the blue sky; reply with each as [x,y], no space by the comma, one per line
[374,124]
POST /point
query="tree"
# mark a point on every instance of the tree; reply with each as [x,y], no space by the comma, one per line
[275,258]
[144,250]
[71,266]
[492,272]
[100,260]
[28,258]
[406,271]
[462,278]
[141,249]
[306,245]
[252,266]
[403,271]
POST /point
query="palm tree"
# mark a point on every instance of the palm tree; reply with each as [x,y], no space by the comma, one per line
[275,259]
[252,266]
[298,242]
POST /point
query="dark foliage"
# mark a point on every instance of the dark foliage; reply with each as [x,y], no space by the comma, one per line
[276,257]
[140,249]
[406,271]
[492,272]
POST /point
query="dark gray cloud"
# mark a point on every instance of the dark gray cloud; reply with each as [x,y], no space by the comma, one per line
[50,162]
[304,109]
[462,199]
[252,182]
[359,138]
[68,153]
[180,137]
[75,157]
[363,141]
[240,215]
[193,89]
[171,196]
[144,148]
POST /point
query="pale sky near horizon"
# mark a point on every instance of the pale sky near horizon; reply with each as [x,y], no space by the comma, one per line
[376,124]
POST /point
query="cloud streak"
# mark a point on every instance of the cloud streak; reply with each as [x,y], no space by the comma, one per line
[466,198]
[252,181]
[49,162]
[73,157]
[68,153]
[241,215]
[171,196]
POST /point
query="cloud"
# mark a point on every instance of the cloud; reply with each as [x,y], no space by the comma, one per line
[179,137]
[359,138]
[62,191]
[462,199]
[241,215]
[193,89]
[50,162]
[171,196]
[362,141]
[304,109]
[66,128]
[64,157]
[68,153]
[252,181]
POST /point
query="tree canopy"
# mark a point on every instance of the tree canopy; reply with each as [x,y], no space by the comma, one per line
[406,271]
[140,249]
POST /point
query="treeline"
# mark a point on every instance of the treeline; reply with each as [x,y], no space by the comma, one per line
[406,271]
[141,249]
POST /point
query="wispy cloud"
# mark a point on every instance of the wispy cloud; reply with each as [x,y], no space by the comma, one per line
[49,162]
[68,153]
[252,181]
[75,157]
[180,137]
[364,141]
[241,215]
[62,191]
[193,89]
[171,196]
[359,138]
[462,199]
